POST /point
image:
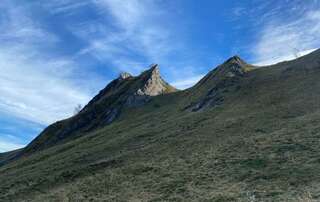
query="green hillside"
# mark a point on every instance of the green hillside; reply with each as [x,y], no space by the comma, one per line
[243,133]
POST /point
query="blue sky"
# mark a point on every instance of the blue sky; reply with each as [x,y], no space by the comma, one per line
[59,53]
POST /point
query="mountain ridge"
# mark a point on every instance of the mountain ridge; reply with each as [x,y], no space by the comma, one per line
[104,108]
[220,78]
[242,131]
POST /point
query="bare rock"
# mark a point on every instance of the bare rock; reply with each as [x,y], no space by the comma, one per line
[124,75]
[154,85]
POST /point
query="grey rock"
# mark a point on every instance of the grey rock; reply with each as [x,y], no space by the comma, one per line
[154,85]
[124,75]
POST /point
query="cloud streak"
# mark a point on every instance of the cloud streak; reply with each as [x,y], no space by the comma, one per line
[33,93]
[34,84]
[187,82]
[141,35]
[287,36]
[9,142]
[131,35]
[8,145]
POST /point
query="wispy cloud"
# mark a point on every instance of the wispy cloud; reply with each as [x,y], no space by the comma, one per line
[127,14]
[187,82]
[294,54]
[66,7]
[130,34]
[8,145]
[40,86]
[9,142]
[34,84]
[33,92]
[133,34]
[287,33]
[18,27]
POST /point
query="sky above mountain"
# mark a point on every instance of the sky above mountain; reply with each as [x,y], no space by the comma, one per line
[57,54]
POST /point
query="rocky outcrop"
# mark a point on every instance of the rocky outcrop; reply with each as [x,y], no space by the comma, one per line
[219,81]
[235,66]
[154,84]
[151,85]
[124,92]
[129,91]
[124,75]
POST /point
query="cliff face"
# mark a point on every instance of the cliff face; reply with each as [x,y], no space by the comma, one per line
[153,83]
[148,85]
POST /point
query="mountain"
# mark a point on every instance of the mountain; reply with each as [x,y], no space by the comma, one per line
[242,133]
[124,92]
[219,80]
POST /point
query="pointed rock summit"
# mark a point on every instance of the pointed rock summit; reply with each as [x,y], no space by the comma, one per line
[236,60]
[124,75]
[233,67]
[126,91]
[150,84]
[153,84]
[216,83]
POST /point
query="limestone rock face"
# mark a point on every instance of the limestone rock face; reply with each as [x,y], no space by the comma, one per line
[124,75]
[151,85]
[154,84]
[124,92]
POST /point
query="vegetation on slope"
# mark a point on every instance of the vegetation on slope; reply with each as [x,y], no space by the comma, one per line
[261,143]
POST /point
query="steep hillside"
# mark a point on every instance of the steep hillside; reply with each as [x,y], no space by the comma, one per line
[243,133]
[124,92]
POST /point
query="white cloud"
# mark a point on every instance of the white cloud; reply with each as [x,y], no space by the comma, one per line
[9,146]
[9,143]
[34,84]
[283,39]
[128,14]
[288,57]
[17,26]
[130,32]
[67,7]
[31,92]
[39,86]
[187,82]
[130,35]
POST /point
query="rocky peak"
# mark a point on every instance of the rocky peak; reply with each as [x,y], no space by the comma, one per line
[223,78]
[152,73]
[154,69]
[124,92]
[235,66]
[235,60]
[153,83]
[124,75]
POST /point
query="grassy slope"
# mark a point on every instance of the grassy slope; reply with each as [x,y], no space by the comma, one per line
[263,142]
[94,115]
